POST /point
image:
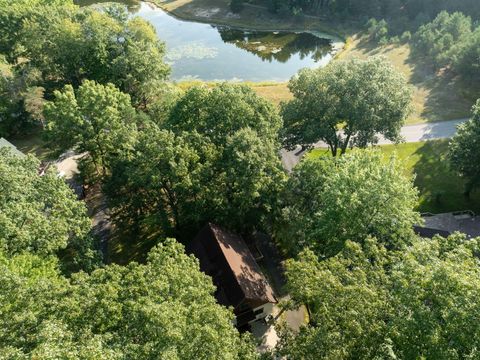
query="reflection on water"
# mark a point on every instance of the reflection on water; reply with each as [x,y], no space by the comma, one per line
[279,46]
[209,52]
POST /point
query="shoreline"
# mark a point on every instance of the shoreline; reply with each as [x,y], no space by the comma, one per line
[325,32]
[338,42]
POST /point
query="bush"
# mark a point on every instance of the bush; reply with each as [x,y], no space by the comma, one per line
[394,40]
[384,41]
[378,30]
[406,37]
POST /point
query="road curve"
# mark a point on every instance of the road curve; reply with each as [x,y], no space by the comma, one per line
[410,133]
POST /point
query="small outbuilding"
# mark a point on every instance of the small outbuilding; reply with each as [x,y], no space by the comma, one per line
[446,224]
[238,278]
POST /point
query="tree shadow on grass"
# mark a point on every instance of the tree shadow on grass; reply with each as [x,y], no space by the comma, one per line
[440,189]
[369,46]
[446,95]
[125,247]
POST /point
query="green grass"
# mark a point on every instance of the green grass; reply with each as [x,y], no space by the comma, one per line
[440,189]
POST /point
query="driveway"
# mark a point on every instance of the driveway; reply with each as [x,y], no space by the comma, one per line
[410,133]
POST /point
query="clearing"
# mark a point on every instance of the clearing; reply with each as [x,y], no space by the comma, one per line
[440,189]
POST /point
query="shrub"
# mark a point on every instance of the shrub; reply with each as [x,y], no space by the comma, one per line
[406,37]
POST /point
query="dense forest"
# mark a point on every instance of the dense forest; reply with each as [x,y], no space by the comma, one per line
[406,9]
[169,160]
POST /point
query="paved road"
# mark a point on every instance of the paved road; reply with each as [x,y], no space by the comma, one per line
[410,133]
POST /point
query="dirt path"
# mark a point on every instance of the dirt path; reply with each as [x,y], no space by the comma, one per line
[98,212]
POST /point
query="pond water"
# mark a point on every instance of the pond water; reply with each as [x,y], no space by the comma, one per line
[209,52]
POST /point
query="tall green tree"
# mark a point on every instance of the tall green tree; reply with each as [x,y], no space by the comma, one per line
[41,215]
[346,104]
[464,150]
[216,159]
[441,40]
[467,61]
[328,201]
[370,303]
[21,100]
[97,119]
[219,112]
[164,309]
[159,189]
[69,44]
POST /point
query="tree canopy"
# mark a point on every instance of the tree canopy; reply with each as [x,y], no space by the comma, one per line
[97,119]
[328,201]
[441,39]
[403,10]
[49,44]
[214,159]
[346,103]
[40,214]
[163,309]
[464,150]
[370,303]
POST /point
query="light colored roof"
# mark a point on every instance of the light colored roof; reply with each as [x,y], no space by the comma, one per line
[463,222]
[244,267]
[5,143]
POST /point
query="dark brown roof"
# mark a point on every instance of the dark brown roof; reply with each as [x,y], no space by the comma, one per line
[226,258]
[246,270]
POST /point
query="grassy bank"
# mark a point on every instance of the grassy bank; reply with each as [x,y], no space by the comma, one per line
[440,189]
[436,97]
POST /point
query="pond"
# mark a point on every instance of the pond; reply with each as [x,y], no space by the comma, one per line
[210,52]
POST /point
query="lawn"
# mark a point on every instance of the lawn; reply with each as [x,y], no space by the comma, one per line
[440,189]
[276,92]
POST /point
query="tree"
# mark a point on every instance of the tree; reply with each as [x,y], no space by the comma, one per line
[97,119]
[173,184]
[346,103]
[328,201]
[442,39]
[215,159]
[163,309]
[464,150]
[219,112]
[69,44]
[159,188]
[466,62]
[41,215]
[370,303]
[21,101]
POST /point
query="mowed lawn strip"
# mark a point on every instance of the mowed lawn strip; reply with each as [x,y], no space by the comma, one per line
[440,189]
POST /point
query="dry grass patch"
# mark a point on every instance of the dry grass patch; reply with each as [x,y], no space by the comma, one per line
[436,96]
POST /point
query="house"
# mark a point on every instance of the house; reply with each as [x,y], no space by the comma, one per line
[239,281]
[4,143]
[447,223]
